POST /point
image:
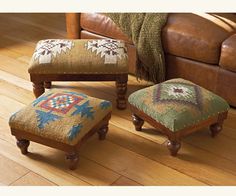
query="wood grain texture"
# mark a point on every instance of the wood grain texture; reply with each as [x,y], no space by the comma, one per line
[32,179]
[126,157]
[10,170]
[123,181]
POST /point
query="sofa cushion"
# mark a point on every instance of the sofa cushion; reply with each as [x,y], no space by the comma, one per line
[102,25]
[228,52]
[61,115]
[197,36]
[178,103]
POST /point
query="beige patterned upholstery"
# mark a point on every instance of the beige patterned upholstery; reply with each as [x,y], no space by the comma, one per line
[82,56]
[61,115]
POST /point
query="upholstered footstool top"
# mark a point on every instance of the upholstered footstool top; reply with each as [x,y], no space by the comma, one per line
[177,108]
[61,115]
[79,56]
[178,103]
[80,60]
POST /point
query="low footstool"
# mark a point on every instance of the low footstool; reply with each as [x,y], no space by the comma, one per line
[177,108]
[80,60]
[61,119]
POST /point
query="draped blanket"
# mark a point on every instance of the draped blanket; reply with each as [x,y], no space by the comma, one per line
[144,29]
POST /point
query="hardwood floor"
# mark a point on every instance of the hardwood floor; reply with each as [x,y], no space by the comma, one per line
[126,157]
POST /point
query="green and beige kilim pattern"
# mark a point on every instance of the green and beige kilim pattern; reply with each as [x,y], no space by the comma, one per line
[61,115]
[178,103]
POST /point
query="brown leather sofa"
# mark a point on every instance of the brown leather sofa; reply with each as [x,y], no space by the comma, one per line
[198,47]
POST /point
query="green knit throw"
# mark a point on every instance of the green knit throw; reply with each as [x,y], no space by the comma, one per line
[144,29]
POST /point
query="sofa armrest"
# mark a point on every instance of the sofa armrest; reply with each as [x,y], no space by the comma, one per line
[73,25]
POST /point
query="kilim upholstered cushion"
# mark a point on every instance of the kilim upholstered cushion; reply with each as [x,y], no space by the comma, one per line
[61,115]
[57,56]
[80,60]
[178,103]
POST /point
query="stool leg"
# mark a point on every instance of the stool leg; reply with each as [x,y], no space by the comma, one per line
[102,132]
[72,160]
[173,147]
[23,145]
[138,122]
[38,88]
[121,88]
[47,84]
[215,129]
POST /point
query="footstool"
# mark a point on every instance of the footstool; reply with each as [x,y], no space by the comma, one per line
[177,108]
[80,60]
[62,119]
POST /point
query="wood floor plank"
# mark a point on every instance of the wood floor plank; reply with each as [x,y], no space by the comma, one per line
[49,172]
[221,145]
[32,179]
[134,166]
[10,171]
[14,67]
[192,161]
[123,181]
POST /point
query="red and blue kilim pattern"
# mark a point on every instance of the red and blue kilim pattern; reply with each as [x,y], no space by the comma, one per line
[61,102]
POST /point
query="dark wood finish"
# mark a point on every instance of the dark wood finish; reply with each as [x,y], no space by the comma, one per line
[215,129]
[71,151]
[41,80]
[121,89]
[47,84]
[73,25]
[23,144]
[102,132]
[72,160]
[174,144]
[138,122]
[38,88]
[173,147]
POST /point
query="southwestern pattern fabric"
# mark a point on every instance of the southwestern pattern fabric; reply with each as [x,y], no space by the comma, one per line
[48,49]
[61,115]
[178,103]
[81,56]
[108,48]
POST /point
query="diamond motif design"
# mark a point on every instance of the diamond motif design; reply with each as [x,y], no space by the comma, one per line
[61,102]
[108,48]
[177,92]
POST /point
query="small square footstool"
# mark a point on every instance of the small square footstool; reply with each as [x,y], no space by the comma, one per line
[61,119]
[80,60]
[177,108]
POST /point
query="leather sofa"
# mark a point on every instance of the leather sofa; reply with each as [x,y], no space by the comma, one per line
[198,47]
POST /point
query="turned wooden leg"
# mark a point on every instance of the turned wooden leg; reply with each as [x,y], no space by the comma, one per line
[72,160]
[102,132]
[23,145]
[38,89]
[121,88]
[47,85]
[138,122]
[173,147]
[215,129]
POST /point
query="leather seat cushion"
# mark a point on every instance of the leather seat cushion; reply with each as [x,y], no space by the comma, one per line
[102,25]
[197,37]
[228,51]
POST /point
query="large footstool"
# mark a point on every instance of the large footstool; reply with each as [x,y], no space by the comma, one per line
[61,119]
[80,60]
[177,108]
